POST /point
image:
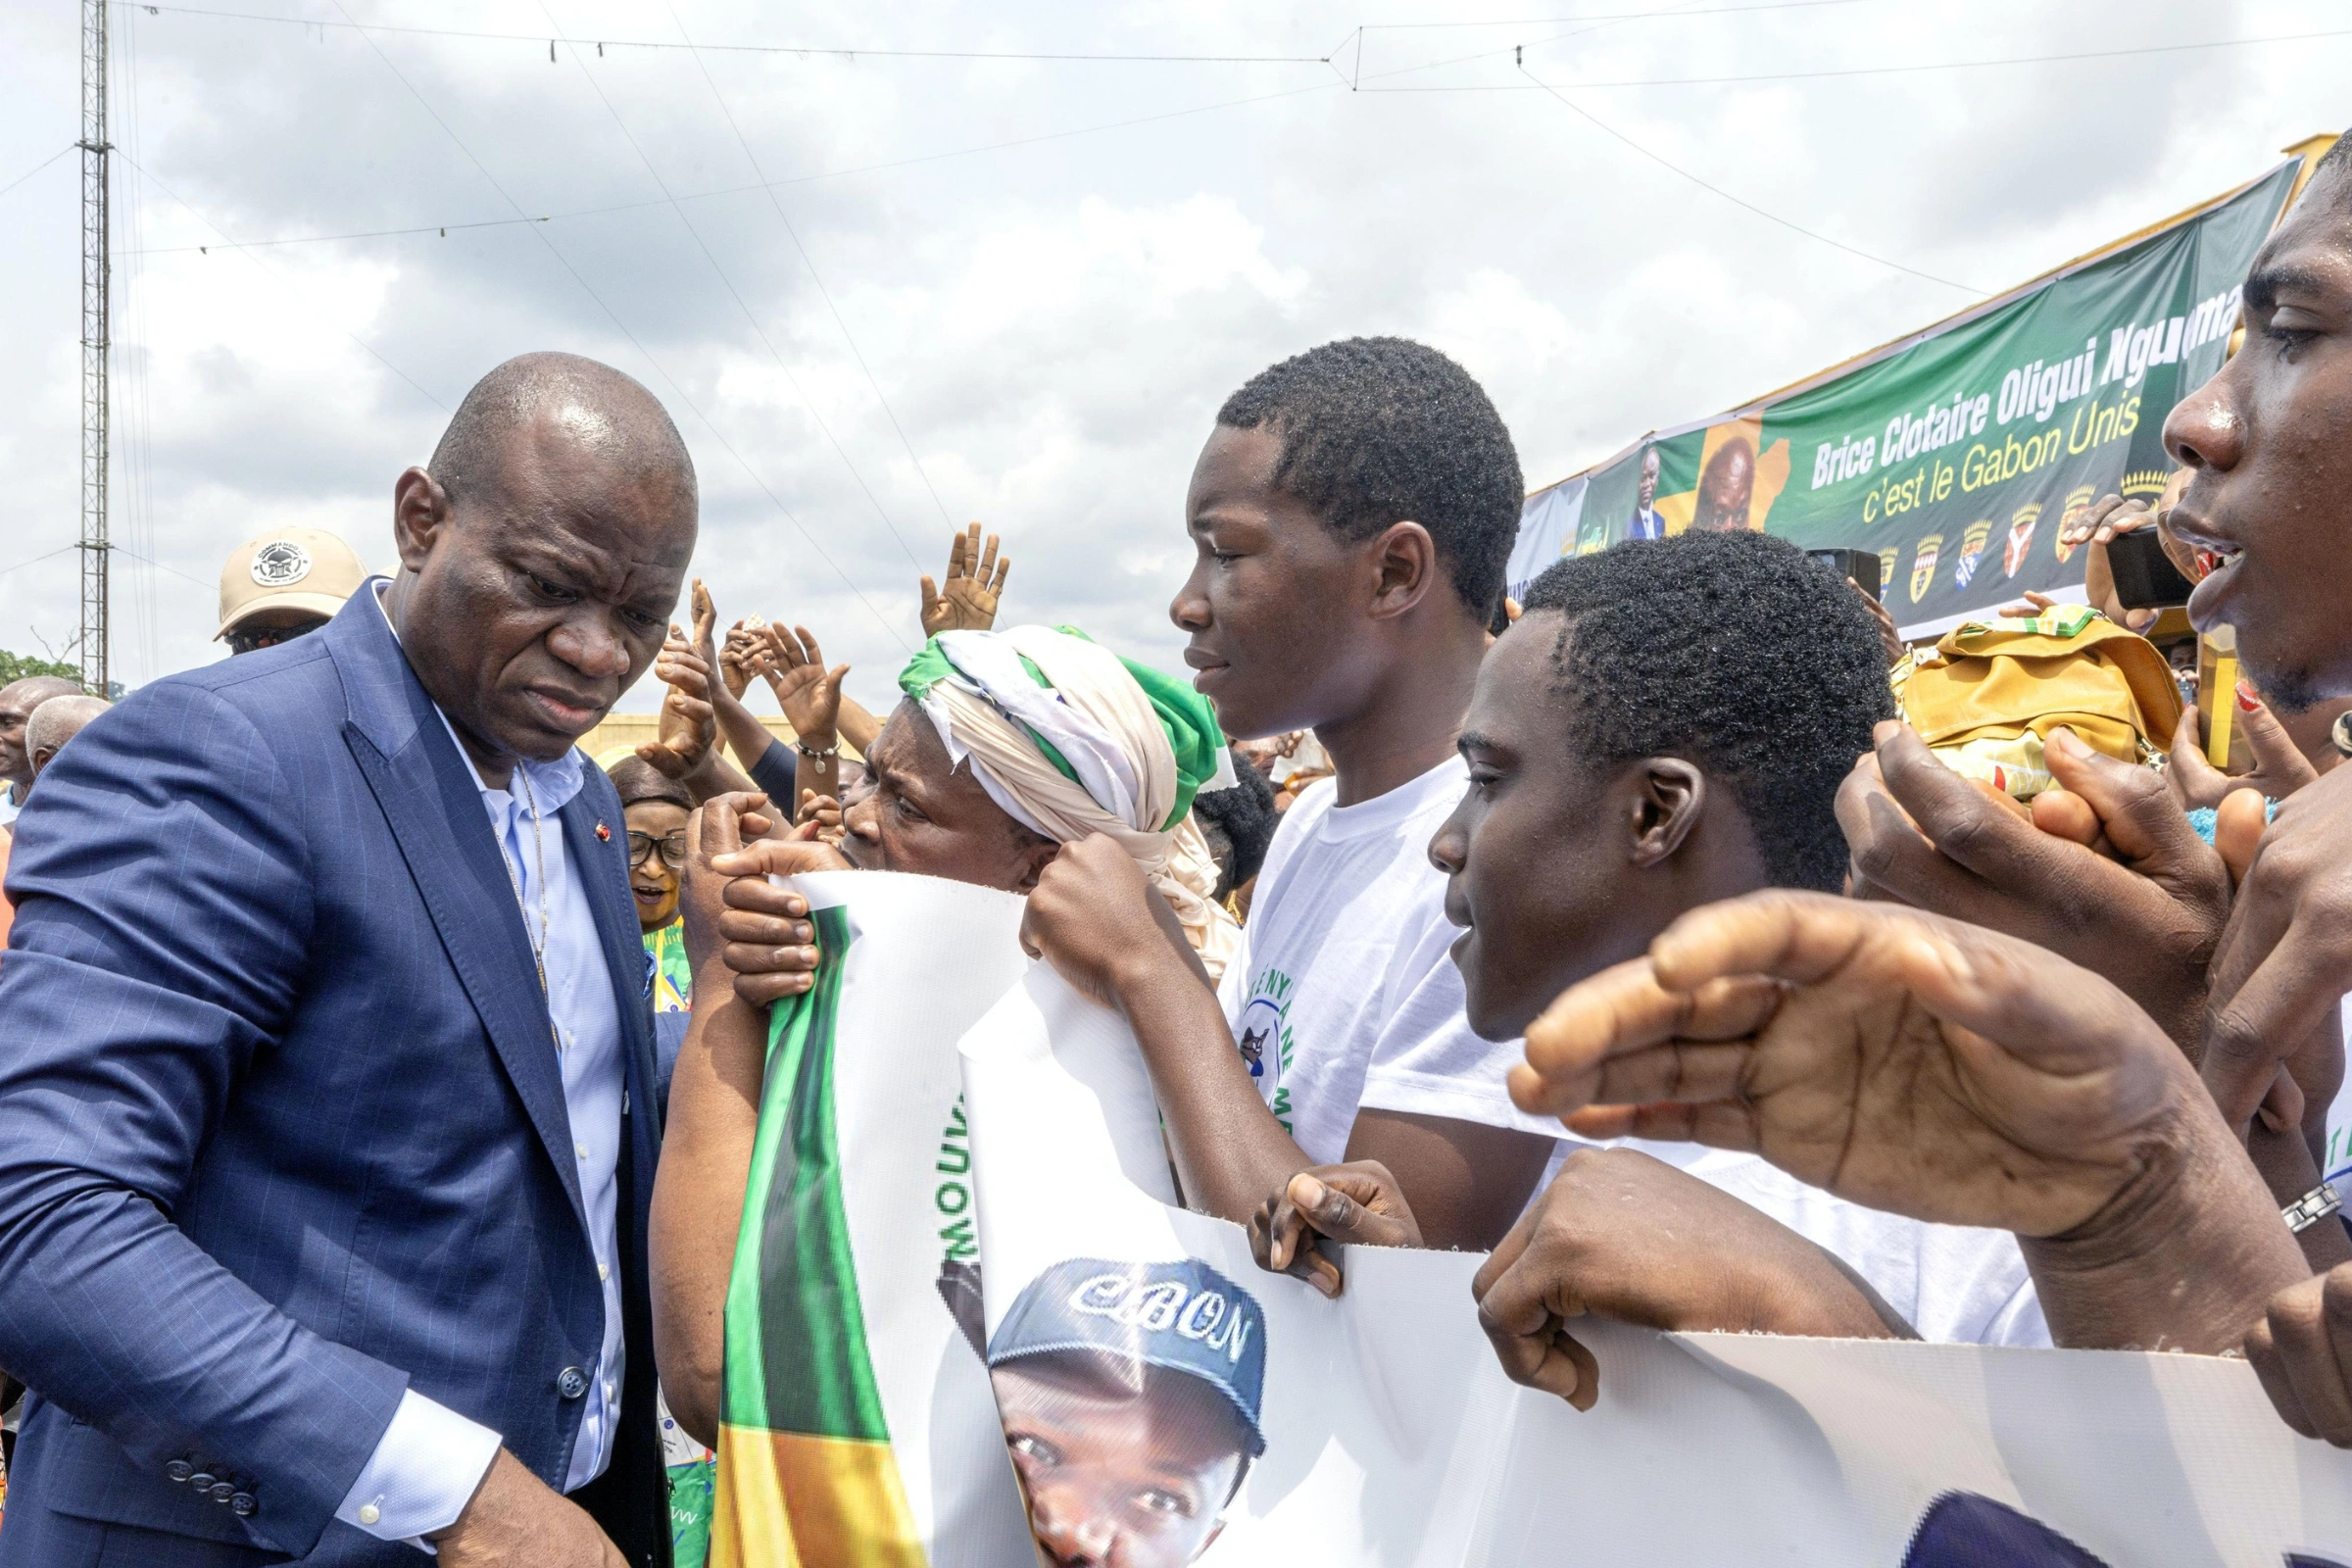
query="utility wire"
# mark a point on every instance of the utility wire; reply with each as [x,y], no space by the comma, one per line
[676,389]
[257,261]
[36,560]
[1340,81]
[809,262]
[1887,71]
[36,169]
[754,48]
[1736,200]
[749,318]
[1675,13]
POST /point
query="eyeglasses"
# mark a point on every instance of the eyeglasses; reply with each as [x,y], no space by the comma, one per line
[672,848]
[253,639]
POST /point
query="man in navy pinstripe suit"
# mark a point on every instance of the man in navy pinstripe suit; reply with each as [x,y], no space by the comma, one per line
[326,1107]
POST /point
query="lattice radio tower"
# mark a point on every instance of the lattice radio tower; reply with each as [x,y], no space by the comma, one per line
[96,279]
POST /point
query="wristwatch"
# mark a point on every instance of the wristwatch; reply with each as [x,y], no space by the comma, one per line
[2311,1208]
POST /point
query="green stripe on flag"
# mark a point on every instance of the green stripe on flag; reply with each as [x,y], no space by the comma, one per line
[796,1352]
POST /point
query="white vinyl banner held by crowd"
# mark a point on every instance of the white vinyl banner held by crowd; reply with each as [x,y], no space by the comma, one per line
[1165,1402]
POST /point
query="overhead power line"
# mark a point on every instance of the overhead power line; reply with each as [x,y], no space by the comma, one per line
[1885,71]
[678,389]
[1672,14]
[750,318]
[1738,201]
[804,50]
[809,262]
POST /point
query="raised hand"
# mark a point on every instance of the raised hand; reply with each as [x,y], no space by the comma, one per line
[1358,1201]
[1629,1238]
[818,821]
[761,931]
[688,722]
[745,655]
[2147,919]
[2279,766]
[1940,1072]
[975,580]
[2284,960]
[808,692]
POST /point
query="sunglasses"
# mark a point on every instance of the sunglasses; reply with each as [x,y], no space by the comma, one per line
[672,848]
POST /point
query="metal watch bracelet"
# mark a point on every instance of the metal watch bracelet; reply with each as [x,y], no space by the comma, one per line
[2311,1208]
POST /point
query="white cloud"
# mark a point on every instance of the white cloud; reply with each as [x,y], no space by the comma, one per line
[1052,321]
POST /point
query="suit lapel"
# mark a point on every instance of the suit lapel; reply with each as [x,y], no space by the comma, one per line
[428,797]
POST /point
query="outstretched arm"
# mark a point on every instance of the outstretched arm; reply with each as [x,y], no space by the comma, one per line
[1940,1072]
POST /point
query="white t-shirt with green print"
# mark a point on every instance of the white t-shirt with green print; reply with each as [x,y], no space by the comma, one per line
[1344,992]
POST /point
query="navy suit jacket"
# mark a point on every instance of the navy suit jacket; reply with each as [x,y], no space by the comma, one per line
[282,1130]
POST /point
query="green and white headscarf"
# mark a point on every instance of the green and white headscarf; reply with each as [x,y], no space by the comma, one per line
[1070,739]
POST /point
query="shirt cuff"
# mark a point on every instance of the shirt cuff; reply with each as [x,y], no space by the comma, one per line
[422,1474]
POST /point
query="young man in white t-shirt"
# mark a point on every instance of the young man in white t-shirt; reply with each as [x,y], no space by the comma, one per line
[1351,513]
[1665,727]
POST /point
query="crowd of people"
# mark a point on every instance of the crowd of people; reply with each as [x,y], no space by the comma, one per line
[384,1074]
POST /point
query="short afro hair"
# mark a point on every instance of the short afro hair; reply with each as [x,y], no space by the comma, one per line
[1381,431]
[1238,824]
[1734,652]
[635,779]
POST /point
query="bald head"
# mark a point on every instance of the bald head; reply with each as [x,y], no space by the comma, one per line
[55,722]
[542,555]
[18,700]
[589,407]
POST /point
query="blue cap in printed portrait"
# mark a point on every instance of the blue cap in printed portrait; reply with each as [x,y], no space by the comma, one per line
[1184,1316]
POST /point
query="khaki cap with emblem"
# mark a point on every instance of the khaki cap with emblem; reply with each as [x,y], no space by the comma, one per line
[288,569]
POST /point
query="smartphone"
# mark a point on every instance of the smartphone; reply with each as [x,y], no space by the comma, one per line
[1861,567]
[2225,744]
[2146,578]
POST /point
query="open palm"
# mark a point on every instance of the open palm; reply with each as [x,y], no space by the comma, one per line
[808,692]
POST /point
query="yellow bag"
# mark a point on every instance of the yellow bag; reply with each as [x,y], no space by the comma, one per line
[1989,691]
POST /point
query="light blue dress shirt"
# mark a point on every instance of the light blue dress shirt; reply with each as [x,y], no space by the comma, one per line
[428,1462]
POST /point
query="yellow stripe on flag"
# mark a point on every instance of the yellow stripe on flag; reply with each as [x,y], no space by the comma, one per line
[786,1498]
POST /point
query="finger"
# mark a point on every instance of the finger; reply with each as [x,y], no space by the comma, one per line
[988,558]
[714,830]
[1516,1314]
[996,586]
[1623,1011]
[2276,757]
[1954,815]
[2259,1024]
[763,990]
[2238,824]
[2193,780]
[957,555]
[930,593]
[758,958]
[812,654]
[2300,1323]
[2062,813]
[2270,1369]
[1333,1213]
[2142,818]
[772,924]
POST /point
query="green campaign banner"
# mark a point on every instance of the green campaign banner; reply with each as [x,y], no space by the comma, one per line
[1956,453]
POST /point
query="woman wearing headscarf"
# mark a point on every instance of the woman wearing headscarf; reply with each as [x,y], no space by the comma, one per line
[1007,745]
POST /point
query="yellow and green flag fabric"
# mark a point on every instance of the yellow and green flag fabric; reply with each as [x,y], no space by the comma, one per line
[807,1474]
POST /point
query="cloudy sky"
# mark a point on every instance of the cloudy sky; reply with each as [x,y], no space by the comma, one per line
[907,270]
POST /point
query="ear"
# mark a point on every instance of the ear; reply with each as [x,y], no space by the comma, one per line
[1669,794]
[419,513]
[1037,856]
[1404,560]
